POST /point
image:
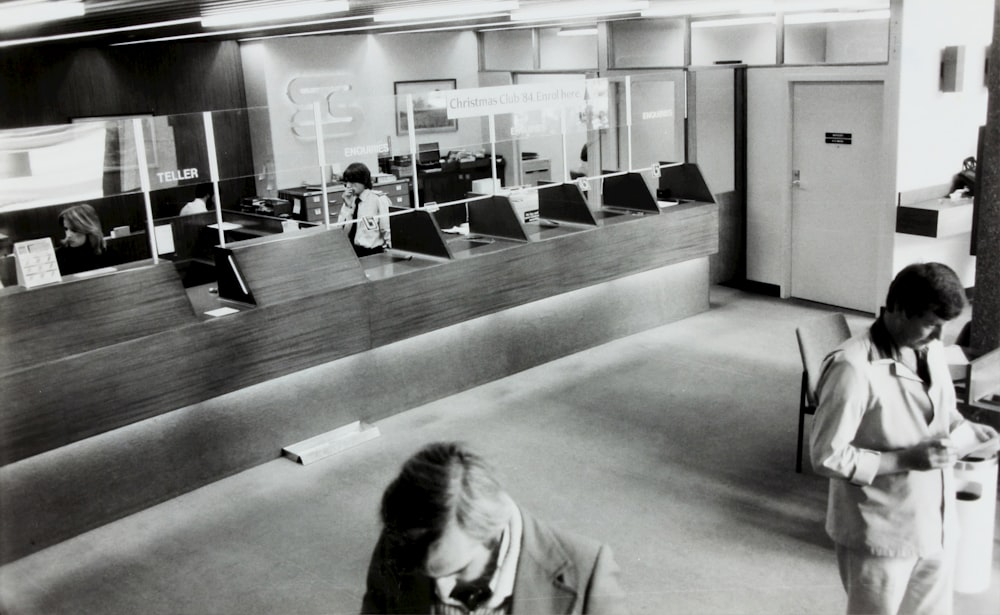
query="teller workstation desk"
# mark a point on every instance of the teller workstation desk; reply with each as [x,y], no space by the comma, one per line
[120,393]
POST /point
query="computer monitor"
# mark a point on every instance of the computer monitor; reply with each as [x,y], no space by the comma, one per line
[628,192]
[495,216]
[414,232]
[683,183]
[564,203]
[429,154]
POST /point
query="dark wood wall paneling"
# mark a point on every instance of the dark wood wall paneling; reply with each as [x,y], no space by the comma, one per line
[51,85]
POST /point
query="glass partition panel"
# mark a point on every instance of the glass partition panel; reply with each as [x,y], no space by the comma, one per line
[550,133]
[837,42]
[718,41]
[638,43]
[657,119]
[449,149]
[179,159]
[77,184]
[243,184]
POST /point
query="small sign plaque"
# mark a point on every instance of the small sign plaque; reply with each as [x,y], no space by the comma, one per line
[36,262]
[839,138]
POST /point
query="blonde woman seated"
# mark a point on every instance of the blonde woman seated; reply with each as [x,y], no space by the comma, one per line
[83,247]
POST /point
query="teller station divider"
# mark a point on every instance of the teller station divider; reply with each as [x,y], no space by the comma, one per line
[139,351]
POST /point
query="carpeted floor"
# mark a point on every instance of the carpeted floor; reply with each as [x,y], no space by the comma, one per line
[675,446]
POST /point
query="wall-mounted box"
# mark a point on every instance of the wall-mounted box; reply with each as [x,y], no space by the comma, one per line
[952,64]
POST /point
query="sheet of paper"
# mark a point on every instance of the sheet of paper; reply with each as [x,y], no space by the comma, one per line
[965,441]
[222,311]
[93,272]
[226,226]
[164,234]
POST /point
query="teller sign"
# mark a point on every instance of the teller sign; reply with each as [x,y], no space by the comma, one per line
[36,262]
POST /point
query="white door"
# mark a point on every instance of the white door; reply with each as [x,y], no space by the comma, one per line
[837,179]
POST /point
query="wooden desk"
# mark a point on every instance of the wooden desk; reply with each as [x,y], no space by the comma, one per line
[454,180]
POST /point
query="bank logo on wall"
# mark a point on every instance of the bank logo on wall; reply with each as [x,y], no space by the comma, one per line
[340,114]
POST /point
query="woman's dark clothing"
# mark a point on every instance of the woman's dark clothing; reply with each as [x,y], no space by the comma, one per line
[75,260]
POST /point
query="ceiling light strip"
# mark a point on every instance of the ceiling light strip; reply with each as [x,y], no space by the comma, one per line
[19,15]
[363,29]
[89,33]
[181,37]
[588,31]
[276,12]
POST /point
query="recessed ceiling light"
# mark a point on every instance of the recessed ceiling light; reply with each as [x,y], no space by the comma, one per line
[453,9]
[695,7]
[588,31]
[277,12]
[735,21]
[803,18]
[576,8]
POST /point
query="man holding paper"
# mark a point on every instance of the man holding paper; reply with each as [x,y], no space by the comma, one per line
[887,432]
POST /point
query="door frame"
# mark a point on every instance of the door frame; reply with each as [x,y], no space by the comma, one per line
[886,217]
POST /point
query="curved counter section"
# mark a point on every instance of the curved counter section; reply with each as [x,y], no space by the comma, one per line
[156,395]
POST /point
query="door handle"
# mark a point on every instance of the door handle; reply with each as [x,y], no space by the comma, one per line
[796,178]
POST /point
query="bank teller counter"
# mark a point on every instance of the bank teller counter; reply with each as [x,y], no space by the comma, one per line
[144,352]
[189,241]
[506,256]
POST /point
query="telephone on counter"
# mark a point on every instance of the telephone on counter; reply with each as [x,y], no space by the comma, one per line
[281,208]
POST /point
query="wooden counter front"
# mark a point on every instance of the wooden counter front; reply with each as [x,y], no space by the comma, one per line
[436,297]
[323,311]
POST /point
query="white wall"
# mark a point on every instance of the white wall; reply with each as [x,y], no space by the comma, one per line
[937,130]
[368,65]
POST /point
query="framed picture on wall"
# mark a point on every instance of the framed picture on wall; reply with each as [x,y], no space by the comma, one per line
[429,112]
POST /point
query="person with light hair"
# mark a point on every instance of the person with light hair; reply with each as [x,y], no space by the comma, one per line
[83,247]
[454,542]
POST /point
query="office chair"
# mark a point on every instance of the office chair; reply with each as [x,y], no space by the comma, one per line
[816,339]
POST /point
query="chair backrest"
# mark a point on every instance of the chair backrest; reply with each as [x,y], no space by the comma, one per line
[816,339]
[983,377]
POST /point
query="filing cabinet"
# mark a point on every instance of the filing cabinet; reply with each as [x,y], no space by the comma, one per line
[398,192]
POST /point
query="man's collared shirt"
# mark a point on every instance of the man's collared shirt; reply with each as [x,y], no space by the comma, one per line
[502,581]
[869,403]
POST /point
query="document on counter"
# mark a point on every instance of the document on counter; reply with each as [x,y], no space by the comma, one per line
[222,311]
[93,272]
[226,226]
[164,234]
